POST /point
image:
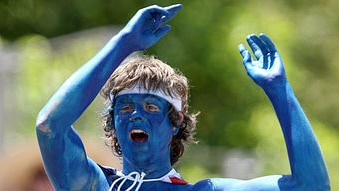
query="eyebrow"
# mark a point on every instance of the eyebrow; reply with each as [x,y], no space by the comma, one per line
[125,99]
[152,99]
[155,99]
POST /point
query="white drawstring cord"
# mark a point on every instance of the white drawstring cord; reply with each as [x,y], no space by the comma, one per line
[136,177]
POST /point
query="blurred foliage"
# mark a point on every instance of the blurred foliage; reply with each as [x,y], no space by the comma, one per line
[234,112]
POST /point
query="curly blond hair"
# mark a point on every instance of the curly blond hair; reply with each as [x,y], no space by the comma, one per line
[150,73]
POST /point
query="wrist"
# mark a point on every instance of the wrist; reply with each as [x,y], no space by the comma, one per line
[122,43]
[128,40]
[276,89]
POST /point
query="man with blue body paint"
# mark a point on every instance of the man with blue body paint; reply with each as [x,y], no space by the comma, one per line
[147,119]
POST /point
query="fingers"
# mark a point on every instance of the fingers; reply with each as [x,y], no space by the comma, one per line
[242,50]
[257,45]
[162,31]
[171,12]
[263,49]
[173,8]
[161,15]
[261,45]
[247,58]
[268,42]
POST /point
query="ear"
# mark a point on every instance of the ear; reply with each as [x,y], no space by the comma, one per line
[181,117]
[175,130]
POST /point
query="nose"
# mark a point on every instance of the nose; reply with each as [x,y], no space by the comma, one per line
[136,116]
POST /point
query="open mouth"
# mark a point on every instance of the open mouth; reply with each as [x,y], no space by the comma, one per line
[138,135]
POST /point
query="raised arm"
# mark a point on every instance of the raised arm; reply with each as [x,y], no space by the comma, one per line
[62,150]
[307,164]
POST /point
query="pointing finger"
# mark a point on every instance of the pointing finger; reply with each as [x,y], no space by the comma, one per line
[171,12]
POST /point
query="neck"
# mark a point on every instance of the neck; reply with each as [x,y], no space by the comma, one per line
[153,167]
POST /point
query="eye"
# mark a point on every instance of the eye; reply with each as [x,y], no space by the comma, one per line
[151,107]
[126,108]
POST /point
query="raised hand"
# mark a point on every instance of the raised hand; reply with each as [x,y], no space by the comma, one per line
[148,25]
[267,69]
[306,161]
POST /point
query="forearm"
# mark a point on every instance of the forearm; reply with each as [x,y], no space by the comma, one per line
[306,161]
[78,91]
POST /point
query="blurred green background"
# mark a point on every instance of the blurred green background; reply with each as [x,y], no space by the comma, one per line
[43,42]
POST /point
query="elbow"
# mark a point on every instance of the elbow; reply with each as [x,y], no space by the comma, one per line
[312,183]
[42,125]
[323,185]
[326,186]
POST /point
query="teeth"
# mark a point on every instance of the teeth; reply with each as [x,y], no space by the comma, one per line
[137,131]
[138,135]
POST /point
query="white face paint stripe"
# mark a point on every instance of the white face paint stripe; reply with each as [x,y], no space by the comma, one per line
[176,102]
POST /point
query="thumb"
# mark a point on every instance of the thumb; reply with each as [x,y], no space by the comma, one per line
[247,58]
[162,31]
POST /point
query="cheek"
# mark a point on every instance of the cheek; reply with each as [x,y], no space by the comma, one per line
[120,123]
[119,119]
[164,128]
[159,119]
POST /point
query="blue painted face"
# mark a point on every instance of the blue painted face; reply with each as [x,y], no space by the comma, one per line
[142,125]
